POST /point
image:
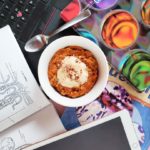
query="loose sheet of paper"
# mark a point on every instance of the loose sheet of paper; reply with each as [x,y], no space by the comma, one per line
[20,95]
[38,127]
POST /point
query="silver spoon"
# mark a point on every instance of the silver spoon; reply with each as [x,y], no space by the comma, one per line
[39,41]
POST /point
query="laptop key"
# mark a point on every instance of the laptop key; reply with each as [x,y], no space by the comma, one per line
[21,2]
[28,9]
[7,7]
[23,19]
[19,26]
[4,14]
[17,9]
[13,17]
[32,2]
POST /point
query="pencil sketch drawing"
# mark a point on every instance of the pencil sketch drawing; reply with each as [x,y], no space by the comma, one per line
[7,144]
[12,91]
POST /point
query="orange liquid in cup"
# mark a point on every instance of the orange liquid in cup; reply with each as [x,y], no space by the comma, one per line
[145,12]
[120,30]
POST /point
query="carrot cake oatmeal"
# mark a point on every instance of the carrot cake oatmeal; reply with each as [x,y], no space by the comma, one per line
[73,71]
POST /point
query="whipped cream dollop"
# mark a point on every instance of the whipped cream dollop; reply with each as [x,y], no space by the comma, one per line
[72,72]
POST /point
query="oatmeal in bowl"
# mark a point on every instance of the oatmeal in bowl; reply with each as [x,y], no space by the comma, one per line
[73,71]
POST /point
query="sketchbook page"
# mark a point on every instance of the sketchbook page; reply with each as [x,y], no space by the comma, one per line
[20,95]
[38,127]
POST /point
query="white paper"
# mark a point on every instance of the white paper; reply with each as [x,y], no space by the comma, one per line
[20,95]
[38,127]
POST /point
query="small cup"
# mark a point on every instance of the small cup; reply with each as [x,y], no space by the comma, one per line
[145,13]
[99,5]
[135,66]
[119,30]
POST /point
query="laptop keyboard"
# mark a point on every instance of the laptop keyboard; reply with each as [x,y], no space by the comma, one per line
[22,15]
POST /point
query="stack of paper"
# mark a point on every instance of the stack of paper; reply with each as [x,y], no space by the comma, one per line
[21,97]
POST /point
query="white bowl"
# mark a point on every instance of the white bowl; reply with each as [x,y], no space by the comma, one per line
[43,71]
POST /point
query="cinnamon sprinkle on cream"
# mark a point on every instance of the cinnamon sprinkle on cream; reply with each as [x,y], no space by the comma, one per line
[72,72]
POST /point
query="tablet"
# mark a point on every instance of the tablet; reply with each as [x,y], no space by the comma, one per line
[115,132]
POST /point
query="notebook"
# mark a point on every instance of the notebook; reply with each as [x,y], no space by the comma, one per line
[20,94]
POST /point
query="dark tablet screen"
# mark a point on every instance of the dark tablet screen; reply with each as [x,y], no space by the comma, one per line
[106,136]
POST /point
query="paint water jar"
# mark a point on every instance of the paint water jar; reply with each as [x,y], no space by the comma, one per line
[119,30]
[145,13]
[135,66]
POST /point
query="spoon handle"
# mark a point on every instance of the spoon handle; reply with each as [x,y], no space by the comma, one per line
[83,15]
